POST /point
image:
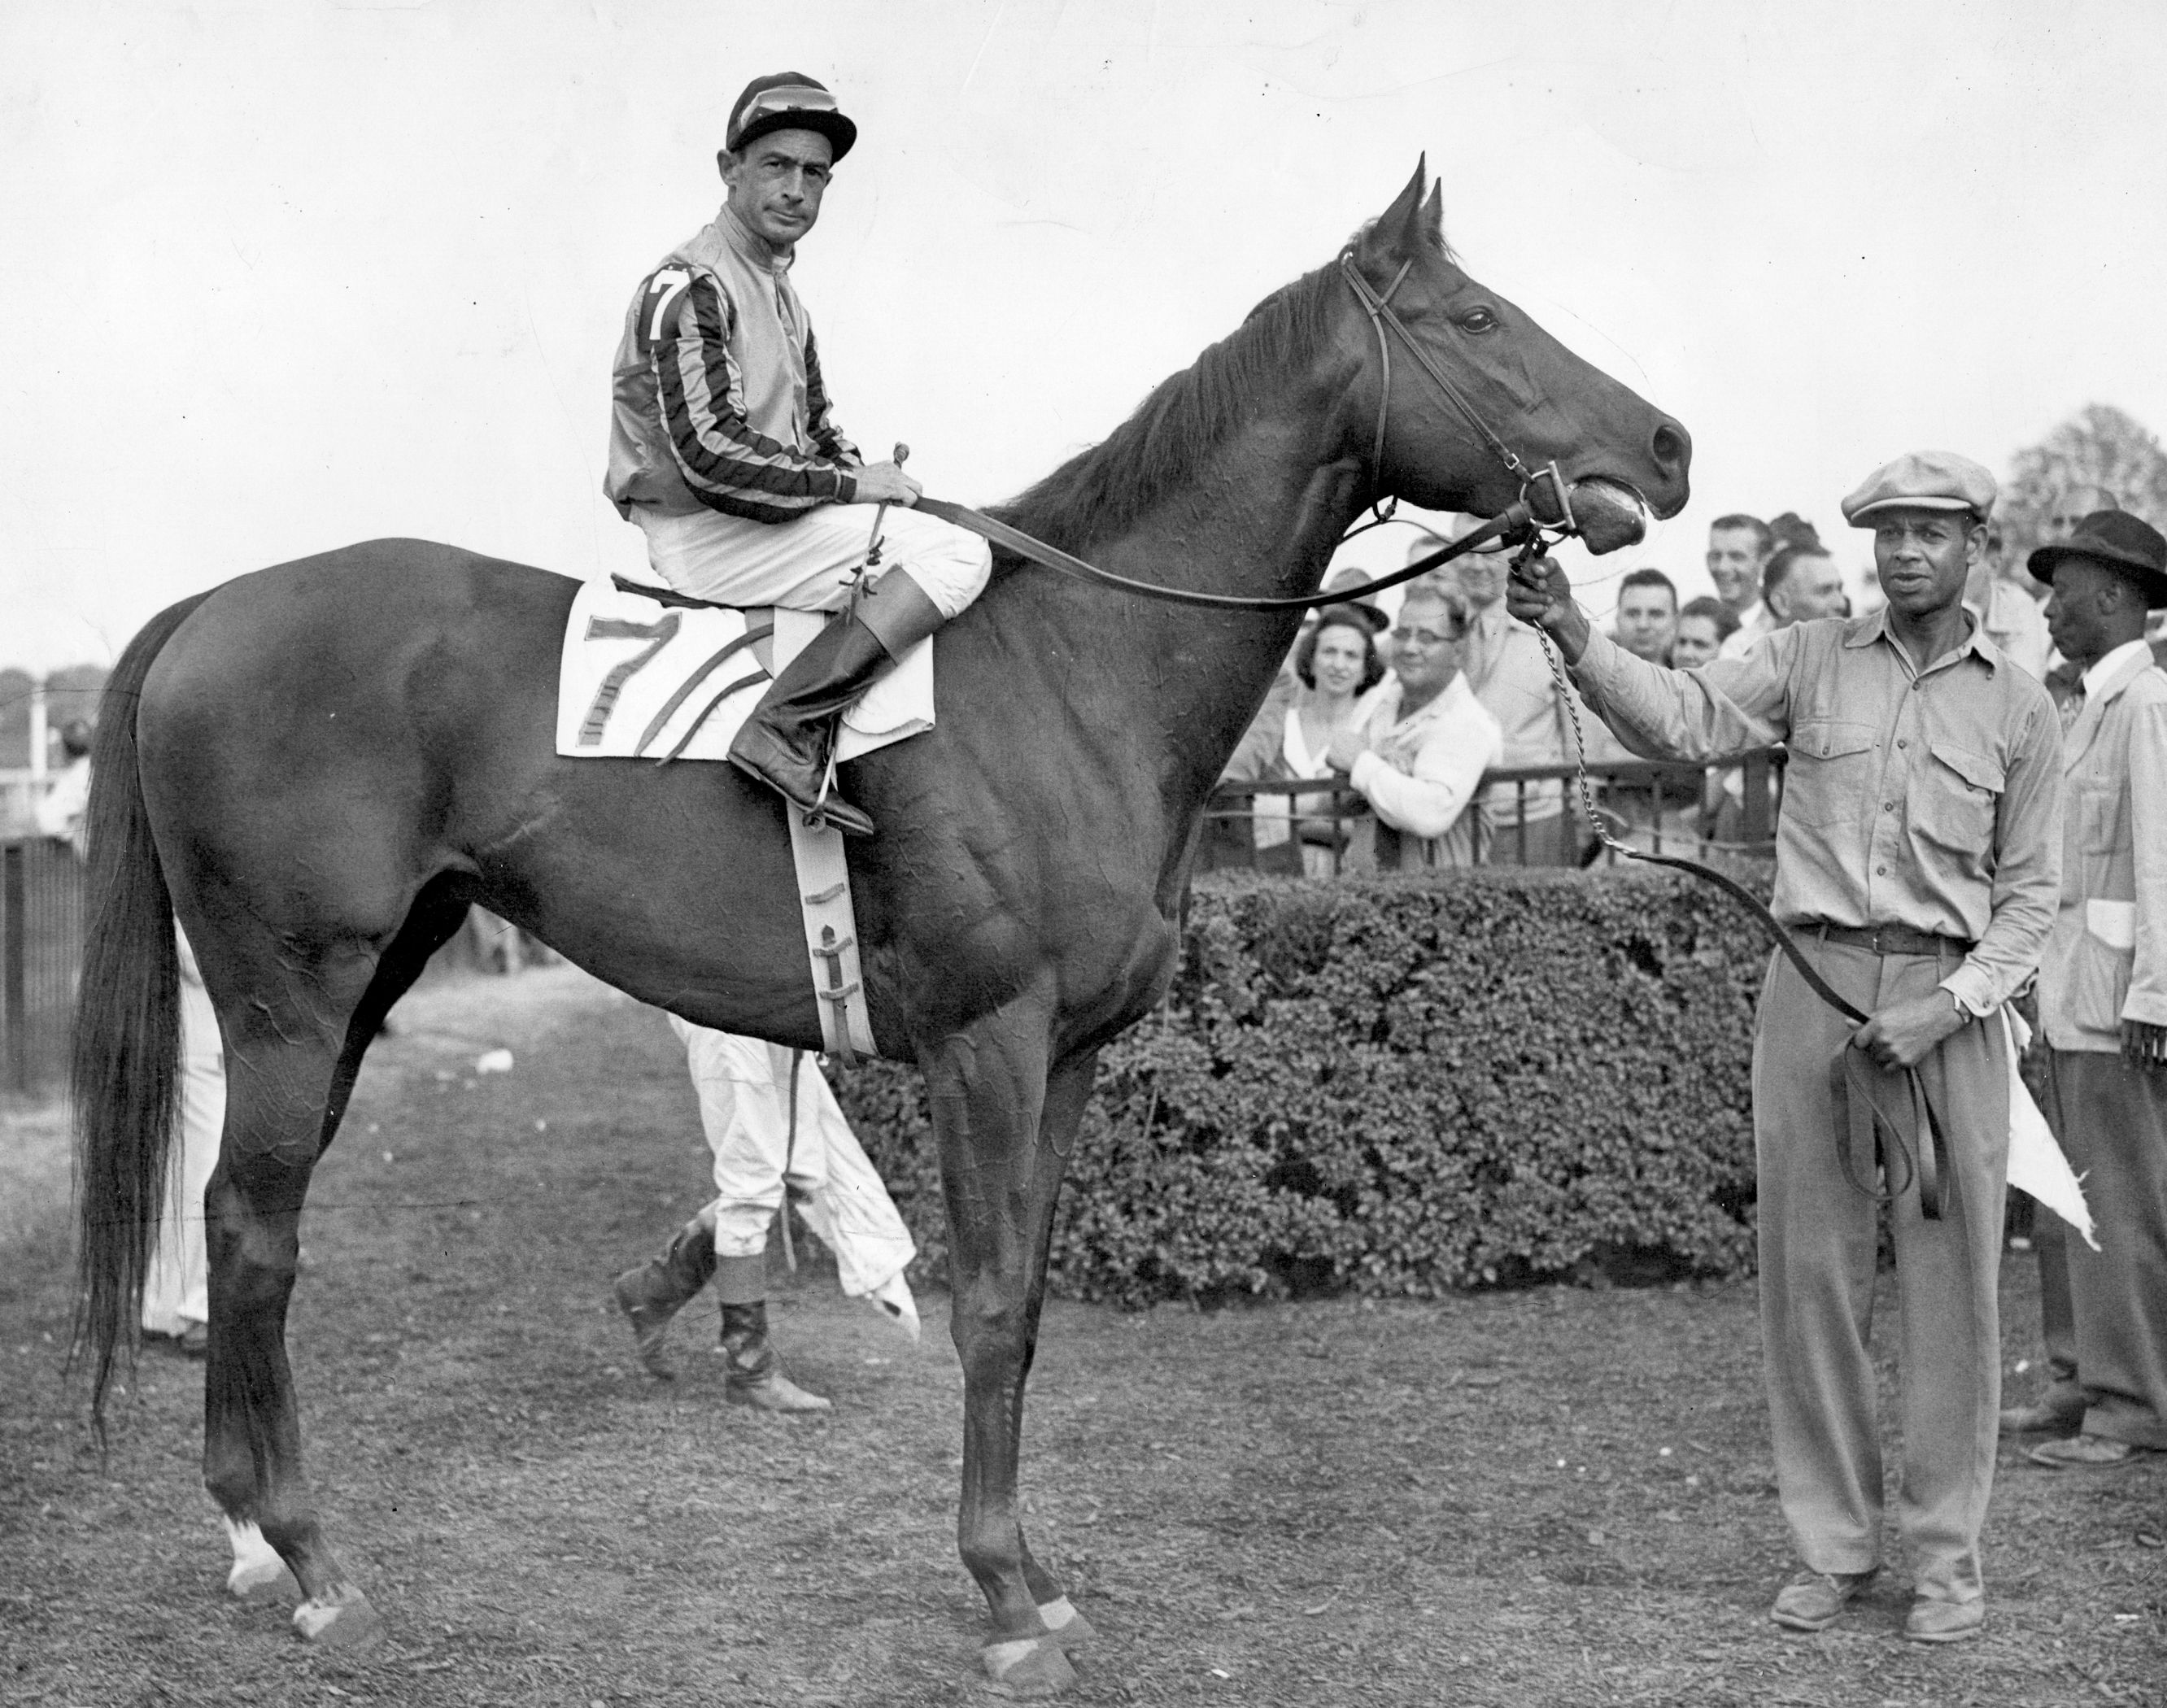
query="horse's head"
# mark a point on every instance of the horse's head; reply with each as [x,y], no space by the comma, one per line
[1542,402]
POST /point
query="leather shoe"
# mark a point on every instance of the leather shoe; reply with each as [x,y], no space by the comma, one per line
[1931,1621]
[1814,1601]
[2042,1419]
[2075,1452]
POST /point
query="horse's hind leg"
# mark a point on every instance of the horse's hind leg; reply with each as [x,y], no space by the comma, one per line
[276,1092]
[1002,1161]
[291,1065]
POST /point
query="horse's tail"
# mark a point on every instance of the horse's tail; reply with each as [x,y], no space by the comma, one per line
[125,1071]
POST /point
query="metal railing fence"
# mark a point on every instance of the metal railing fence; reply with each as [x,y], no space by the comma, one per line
[1314,828]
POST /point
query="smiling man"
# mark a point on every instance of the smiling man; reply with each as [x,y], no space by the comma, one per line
[723,450]
[1419,751]
[1918,863]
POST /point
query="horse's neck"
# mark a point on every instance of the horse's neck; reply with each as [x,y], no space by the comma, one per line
[1262,521]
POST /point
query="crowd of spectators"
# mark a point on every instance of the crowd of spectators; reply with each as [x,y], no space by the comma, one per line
[1347,708]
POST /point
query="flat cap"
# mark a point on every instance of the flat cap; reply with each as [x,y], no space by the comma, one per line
[788,101]
[2117,539]
[1922,480]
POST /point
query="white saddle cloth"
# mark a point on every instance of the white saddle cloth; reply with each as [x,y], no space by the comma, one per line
[640,680]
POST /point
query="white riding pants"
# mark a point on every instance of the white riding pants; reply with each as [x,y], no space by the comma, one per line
[744,1085]
[803,565]
[177,1291]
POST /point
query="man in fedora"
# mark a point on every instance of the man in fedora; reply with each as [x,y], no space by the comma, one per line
[2103,986]
[1917,863]
[723,449]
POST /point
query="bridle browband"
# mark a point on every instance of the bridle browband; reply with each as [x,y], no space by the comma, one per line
[1519,524]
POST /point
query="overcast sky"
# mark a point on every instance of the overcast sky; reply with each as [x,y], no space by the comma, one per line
[284,275]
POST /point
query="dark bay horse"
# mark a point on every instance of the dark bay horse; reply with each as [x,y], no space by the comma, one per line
[318,767]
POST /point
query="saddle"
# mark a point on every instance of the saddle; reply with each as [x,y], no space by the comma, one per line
[650,673]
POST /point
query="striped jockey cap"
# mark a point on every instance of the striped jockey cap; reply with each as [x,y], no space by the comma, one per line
[788,101]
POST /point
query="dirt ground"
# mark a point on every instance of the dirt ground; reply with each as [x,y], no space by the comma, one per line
[1556,1497]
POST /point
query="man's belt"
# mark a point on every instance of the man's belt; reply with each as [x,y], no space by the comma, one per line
[1888,939]
[1860,1093]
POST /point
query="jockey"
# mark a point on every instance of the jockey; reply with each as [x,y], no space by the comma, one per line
[723,450]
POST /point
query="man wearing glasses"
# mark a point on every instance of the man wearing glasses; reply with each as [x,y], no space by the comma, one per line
[723,450]
[1418,756]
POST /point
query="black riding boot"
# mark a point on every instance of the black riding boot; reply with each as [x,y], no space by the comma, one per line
[655,1291]
[754,1369]
[785,741]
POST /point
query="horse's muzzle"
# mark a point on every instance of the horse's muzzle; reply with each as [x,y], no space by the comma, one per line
[1609,515]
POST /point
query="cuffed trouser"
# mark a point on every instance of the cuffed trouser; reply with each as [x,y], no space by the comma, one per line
[803,565]
[744,1089]
[177,1289]
[2111,1120]
[1818,1247]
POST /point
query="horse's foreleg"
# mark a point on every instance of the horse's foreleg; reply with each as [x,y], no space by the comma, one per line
[1067,1091]
[252,1425]
[989,1092]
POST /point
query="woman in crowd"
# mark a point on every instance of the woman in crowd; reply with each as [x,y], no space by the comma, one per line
[1335,665]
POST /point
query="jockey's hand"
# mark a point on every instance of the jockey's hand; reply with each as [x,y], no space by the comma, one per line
[883,483]
[1349,744]
[1540,594]
[1904,1033]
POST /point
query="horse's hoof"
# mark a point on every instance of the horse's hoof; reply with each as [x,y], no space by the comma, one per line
[257,1566]
[349,1623]
[252,1578]
[1028,1666]
[1064,1624]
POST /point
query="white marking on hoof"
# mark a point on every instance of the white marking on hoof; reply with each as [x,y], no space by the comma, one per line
[1028,1666]
[1063,1621]
[256,1567]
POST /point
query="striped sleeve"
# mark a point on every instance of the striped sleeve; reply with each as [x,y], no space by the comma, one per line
[727,466]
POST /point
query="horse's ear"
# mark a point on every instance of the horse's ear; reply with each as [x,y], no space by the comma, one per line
[1434,211]
[1398,229]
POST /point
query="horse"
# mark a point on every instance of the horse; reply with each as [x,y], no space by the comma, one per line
[319,767]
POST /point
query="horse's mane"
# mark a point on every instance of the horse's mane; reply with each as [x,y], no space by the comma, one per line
[1103,491]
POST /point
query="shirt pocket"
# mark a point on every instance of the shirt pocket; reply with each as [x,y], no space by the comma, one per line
[1957,794]
[1831,771]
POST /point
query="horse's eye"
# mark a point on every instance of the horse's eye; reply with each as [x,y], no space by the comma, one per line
[1477,320]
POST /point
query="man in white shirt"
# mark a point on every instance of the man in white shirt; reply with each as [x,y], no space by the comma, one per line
[1738,546]
[1418,755]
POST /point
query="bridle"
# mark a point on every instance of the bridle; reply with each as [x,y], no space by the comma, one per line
[1378,306]
[1522,523]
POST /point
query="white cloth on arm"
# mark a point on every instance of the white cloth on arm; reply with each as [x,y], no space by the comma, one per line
[803,564]
[177,1291]
[744,1085]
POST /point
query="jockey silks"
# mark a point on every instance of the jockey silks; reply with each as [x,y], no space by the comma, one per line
[716,397]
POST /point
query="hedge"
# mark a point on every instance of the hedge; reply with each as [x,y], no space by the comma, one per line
[1401,1085]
